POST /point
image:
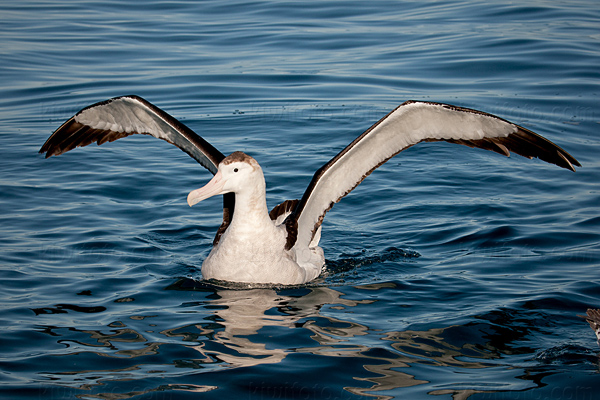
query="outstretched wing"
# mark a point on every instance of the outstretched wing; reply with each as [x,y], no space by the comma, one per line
[122,116]
[411,123]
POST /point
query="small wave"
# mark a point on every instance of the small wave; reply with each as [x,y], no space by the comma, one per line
[347,264]
[567,354]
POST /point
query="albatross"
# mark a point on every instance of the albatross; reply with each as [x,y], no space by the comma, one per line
[253,245]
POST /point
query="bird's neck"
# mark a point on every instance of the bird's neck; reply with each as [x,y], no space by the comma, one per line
[251,208]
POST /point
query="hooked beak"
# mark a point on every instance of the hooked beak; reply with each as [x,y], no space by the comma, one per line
[213,187]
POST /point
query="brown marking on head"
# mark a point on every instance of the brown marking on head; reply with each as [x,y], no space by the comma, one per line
[239,156]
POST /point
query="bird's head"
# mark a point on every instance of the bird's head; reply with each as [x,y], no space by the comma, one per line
[237,172]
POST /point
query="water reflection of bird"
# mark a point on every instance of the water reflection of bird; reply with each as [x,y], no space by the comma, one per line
[255,246]
[242,314]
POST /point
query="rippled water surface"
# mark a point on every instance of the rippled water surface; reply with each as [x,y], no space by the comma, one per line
[452,273]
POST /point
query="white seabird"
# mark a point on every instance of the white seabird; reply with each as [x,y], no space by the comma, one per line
[281,247]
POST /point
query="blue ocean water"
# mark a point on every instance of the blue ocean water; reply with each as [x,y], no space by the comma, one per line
[452,273]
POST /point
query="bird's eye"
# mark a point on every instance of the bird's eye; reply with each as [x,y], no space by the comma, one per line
[235,170]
